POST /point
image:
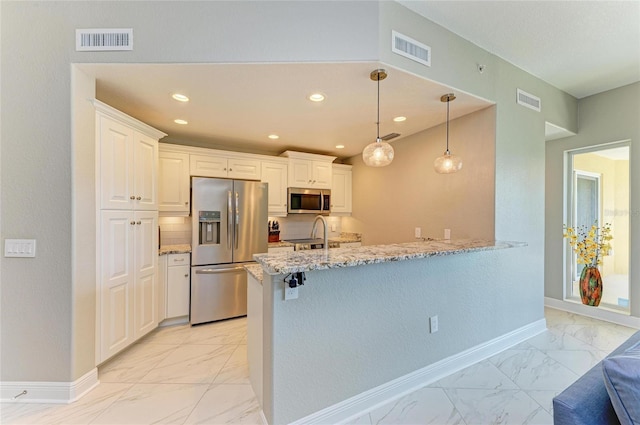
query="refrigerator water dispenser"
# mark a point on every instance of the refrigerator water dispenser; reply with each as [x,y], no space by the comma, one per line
[209,227]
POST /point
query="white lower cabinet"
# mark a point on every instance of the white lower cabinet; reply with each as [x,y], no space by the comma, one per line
[128,299]
[178,285]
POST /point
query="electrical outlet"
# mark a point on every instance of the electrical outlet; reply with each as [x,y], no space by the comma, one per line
[290,293]
[333,227]
[447,233]
[418,232]
[433,324]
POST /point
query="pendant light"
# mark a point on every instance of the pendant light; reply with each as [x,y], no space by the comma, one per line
[447,163]
[378,153]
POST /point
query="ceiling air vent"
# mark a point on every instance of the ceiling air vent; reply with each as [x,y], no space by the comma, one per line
[94,40]
[528,100]
[410,48]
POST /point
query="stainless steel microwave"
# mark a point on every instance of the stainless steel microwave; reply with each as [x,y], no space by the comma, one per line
[308,201]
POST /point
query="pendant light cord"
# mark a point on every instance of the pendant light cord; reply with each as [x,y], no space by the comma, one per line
[378,118]
[447,126]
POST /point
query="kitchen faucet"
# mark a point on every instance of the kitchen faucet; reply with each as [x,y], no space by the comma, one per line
[326,230]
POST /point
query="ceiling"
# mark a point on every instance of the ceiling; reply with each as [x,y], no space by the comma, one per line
[581,47]
[237,106]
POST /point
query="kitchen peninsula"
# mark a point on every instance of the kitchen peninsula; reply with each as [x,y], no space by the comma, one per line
[374,322]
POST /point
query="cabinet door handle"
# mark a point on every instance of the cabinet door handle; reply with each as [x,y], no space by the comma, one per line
[133,223]
[186,203]
[139,198]
[132,197]
[178,259]
[186,275]
[139,222]
[230,169]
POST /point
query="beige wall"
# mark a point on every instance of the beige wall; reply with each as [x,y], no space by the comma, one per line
[390,202]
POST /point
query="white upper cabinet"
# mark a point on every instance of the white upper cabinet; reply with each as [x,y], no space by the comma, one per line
[244,168]
[173,183]
[309,170]
[341,194]
[275,174]
[224,166]
[128,158]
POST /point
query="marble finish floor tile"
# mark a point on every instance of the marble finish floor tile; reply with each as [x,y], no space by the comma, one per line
[227,404]
[533,370]
[236,369]
[483,375]
[190,364]
[173,335]
[183,374]
[498,407]
[153,404]
[425,406]
[133,364]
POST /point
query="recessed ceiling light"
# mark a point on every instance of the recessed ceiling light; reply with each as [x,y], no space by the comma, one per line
[400,119]
[316,97]
[179,121]
[339,146]
[180,97]
[273,136]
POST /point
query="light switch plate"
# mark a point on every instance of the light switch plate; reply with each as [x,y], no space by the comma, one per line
[19,247]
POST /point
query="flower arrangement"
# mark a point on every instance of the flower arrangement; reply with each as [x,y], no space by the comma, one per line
[590,244]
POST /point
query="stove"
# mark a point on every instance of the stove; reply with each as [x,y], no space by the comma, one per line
[305,244]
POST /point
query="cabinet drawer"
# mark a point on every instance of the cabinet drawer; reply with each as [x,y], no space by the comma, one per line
[178,260]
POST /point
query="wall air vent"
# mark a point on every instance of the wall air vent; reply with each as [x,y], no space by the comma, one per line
[94,40]
[410,48]
[528,100]
[390,136]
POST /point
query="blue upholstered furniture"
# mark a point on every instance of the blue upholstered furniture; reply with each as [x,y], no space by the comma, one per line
[586,401]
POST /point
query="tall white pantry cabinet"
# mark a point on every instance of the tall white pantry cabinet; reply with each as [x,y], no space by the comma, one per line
[127,239]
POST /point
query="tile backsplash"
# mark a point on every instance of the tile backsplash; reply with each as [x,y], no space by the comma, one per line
[177,230]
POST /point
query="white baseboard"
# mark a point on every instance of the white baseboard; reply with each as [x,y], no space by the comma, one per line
[181,320]
[593,312]
[48,392]
[356,406]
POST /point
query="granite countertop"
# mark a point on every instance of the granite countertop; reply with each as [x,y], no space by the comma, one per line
[254,270]
[319,259]
[280,244]
[174,249]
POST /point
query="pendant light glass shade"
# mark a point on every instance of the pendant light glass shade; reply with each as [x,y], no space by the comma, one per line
[447,163]
[378,153]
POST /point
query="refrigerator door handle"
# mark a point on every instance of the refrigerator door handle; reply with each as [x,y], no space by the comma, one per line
[217,271]
[229,222]
[235,234]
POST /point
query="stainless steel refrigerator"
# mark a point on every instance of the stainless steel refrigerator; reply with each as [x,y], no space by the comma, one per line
[229,225]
